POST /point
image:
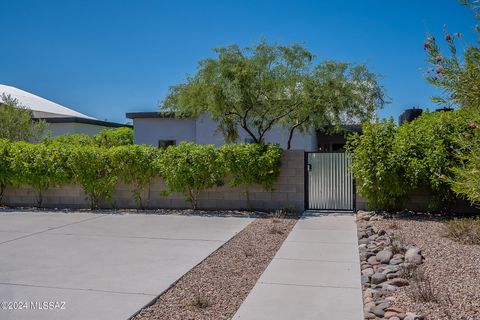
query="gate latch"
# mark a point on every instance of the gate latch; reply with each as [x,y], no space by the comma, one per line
[309,167]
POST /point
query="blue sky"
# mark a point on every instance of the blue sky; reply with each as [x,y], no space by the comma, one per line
[105,58]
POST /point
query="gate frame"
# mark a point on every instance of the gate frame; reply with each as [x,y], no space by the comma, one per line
[305,186]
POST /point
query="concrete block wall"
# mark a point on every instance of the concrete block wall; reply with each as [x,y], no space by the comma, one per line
[288,192]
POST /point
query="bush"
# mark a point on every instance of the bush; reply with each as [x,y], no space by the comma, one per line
[377,174]
[190,168]
[426,151]
[466,230]
[74,139]
[251,163]
[114,137]
[39,166]
[94,169]
[5,169]
[136,166]
[390,161]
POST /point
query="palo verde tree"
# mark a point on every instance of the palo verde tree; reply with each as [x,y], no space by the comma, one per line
[335,94]
[257,88]
[16,123]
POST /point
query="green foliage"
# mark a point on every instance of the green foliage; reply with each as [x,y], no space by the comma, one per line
[94,169]
[39,166]
[259,87]
[251,163]
[136,166]
[5,168]
[377,174]
[335,94]
[190,168]
[114,137]
[426,151]
[75,139]
[466,175]
[16,122]
[390,161]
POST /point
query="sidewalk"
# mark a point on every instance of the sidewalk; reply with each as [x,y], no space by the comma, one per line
[314,275]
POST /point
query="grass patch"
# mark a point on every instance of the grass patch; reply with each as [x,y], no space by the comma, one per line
[465,230]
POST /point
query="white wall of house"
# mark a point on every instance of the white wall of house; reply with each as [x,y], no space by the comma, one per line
[204,131]
[151,130]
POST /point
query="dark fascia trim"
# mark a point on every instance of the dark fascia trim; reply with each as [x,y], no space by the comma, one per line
[166,115]
[85,121]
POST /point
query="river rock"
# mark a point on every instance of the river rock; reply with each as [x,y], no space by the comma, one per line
[378,278]
[384,256]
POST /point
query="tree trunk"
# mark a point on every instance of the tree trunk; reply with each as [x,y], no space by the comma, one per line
[39,198]
[2,192]
[292,129]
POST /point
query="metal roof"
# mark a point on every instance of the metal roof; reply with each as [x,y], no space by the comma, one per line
[41,107]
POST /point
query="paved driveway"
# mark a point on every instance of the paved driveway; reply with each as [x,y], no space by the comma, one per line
[99,266]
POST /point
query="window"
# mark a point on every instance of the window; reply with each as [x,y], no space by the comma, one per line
[165,143]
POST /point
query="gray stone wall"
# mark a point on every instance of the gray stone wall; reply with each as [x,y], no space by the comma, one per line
[288,193]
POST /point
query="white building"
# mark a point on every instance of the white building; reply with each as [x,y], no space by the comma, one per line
[161,129]
[60,119]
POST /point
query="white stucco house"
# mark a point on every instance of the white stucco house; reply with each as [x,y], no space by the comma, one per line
[60,119]
[163,129]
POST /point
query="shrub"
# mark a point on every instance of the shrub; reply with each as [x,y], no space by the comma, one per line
[75,139]
[425,149]
[114,137]
[389,161]
[466,230]
[39,166]
[190,168]
[251,163]
[93,168]
[135,166]
[5,169]
[378,177]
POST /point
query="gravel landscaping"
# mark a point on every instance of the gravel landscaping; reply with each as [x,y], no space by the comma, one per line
[216,287]
[437,278]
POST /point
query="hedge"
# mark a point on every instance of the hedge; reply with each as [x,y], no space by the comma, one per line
[389,161]
[187,168]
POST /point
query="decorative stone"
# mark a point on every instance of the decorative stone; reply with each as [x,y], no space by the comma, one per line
[368,272]
[390,314]
[377,311]
[399,282]
[378,278]
[364,279]
[413,256]
[396,261]
[383,305]
[389,288]
[373,260]
[384,256]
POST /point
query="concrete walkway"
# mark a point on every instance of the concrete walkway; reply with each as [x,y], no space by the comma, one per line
[101,266]
[314,276]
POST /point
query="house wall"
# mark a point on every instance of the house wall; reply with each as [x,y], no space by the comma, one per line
[150,130]
[204,131]
[288,192]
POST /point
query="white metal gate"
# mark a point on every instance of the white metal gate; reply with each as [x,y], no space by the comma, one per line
[330,182]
